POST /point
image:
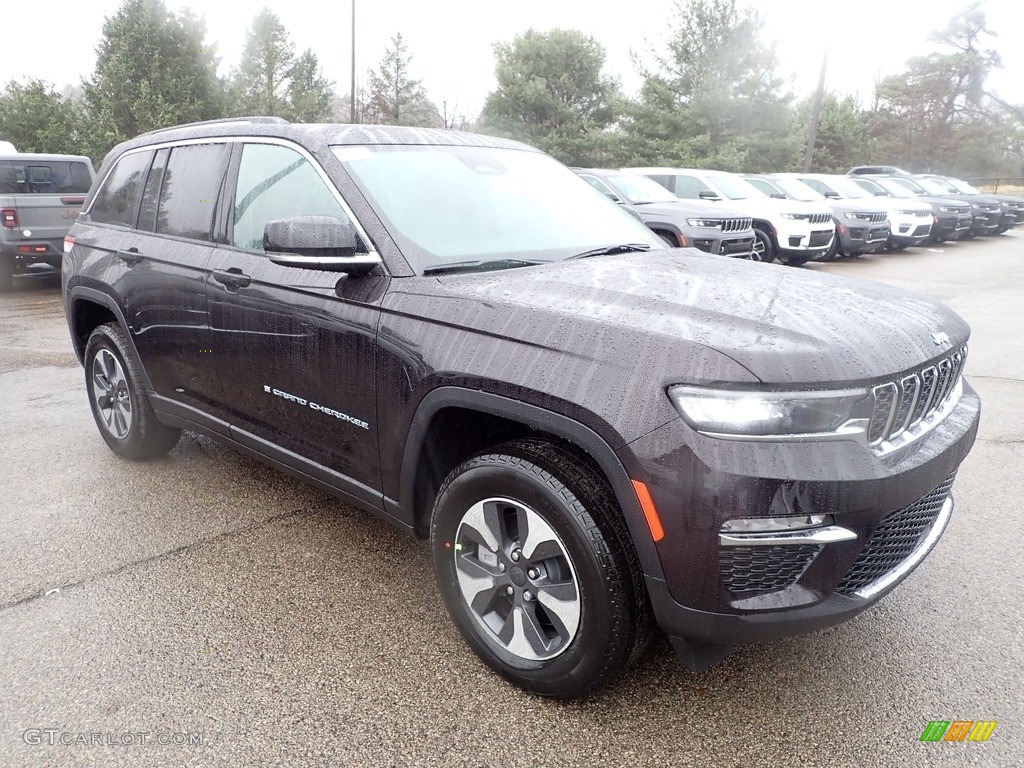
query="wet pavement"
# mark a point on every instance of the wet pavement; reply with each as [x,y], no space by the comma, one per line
[205,610]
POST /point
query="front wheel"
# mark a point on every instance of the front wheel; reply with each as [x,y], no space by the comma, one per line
[764,245]
[536,569]
[119,402]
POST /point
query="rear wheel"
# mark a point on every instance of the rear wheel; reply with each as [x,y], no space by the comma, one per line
[118,400]
[536,568]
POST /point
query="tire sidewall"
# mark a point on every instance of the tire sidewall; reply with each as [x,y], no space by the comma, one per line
[98,341]
[586,653]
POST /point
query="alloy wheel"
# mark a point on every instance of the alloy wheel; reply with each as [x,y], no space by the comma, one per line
[111,393]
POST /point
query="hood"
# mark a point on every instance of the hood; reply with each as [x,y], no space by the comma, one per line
[850,206]
[890,204]
[769,207]
[787,327]
[682,211]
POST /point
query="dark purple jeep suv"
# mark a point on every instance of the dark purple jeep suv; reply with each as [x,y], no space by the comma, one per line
[598,434]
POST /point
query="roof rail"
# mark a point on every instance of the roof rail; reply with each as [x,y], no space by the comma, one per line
[249,119]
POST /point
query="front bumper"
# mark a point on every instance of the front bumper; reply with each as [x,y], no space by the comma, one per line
[730,244]
[799,237]
[986,222]
[950,226]
[861,237]
[697,483]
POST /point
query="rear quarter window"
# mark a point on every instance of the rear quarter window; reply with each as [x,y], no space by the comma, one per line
[117,201]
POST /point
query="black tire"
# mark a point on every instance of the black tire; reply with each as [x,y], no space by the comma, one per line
[767,247]
[896,246]
[6,273]
[795,261]
[118,399]
[585,545]
[670,240]
[833,250]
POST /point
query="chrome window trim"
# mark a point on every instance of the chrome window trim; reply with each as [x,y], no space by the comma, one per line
[251,139]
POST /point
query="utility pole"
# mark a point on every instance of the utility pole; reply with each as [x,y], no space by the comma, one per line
[812,134]
[352,99]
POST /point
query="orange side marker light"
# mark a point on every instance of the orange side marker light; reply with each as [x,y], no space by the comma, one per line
[647,505]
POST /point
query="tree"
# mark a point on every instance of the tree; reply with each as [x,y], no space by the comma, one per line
[552,93]
[937,112]
[310,95]
[394,97]
[712,97]
[153,69]
[35,118]
[842,133]
[272,80]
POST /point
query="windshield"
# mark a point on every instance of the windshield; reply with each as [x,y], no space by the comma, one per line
[640,190]
[894,187]
[450,204]
[962,187]
[942,184]
[933,187]
[735,188]
[796,189]
[847,188]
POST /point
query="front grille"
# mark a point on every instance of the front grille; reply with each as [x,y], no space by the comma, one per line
[736,225]
[819,239]
[766,568]
[880,217]
[895,539]
[819,218]
[901,405]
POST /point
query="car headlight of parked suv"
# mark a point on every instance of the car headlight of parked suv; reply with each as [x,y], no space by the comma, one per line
[752,415]
[799,216]
[707,223]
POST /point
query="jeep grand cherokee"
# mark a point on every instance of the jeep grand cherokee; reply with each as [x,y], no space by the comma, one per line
[459,335]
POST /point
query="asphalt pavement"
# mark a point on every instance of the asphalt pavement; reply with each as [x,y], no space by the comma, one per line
[204,610]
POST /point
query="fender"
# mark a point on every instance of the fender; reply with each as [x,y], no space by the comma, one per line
[83,293]
[545,421]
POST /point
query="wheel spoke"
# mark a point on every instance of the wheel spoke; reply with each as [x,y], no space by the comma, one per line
[538,532]
[473,579]
[483,523]
[561,611]
[520,635]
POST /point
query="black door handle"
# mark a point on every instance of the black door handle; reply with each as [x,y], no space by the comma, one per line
[232,278]
[131,257]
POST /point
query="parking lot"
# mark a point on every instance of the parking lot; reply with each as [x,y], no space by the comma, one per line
[204,610]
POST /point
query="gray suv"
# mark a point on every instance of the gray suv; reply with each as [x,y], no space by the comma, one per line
[40,197]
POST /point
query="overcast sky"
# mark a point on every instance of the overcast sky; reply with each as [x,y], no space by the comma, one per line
[451,40]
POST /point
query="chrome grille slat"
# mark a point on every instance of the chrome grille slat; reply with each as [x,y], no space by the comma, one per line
[903,404]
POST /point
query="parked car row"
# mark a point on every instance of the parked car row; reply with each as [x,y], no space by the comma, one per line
[799,217]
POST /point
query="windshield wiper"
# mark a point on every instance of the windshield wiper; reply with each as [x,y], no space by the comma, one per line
[479,264]
[608,250]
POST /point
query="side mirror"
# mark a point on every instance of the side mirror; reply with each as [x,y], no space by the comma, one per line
[316,242]
[707,194]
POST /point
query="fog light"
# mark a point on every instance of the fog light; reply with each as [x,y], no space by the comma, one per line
[773,531]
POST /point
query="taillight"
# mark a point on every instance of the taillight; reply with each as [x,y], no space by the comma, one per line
[9,218]
[69,243]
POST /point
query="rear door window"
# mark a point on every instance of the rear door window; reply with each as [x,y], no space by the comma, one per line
[151,194]
[117,201]
[190,190]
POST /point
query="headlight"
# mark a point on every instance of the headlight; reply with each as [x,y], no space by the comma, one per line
[856,216]
[802,216]
[905,212]
[946,209]
[751,415]
[707,223]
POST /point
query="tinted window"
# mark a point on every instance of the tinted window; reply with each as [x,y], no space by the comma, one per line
[40,177]
[117,201]
[191,185]
[151,195]
[276,182]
